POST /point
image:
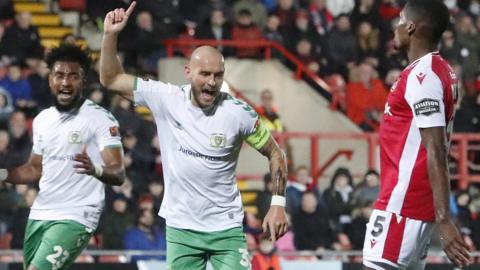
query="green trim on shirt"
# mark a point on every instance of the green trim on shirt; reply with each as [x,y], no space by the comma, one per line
[135,83]
[260,137]
[113,146]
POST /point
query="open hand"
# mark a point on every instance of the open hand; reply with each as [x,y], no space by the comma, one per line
[453,244]
[84,165]
[116,20]
[275,222]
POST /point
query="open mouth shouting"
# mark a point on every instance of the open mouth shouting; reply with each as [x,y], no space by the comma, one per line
[65,96]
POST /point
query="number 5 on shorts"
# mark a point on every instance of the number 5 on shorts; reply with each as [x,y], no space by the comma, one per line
[377,226]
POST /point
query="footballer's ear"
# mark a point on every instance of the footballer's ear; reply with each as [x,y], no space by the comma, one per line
[188,72]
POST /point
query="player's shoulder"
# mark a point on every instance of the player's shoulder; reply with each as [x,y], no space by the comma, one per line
[236,106]
[47,113]
[96,113]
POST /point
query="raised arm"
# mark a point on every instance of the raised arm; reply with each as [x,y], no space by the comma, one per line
[435,144]
[112,75]
[28,173]
[112,173]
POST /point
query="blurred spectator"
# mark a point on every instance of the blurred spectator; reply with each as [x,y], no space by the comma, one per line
[339,96]
[38,80]
[295,190]
[265,258]
[256,8]
[368,189]
[264,197]
[366,97]
[268,113]
[338,197]
[124,112]
[20,140]
[156,189]
[272,29]
[165,15]
[6,107]
[392,77]
[115,223]
[342,46]
[389,9]
[7,11]
[5,155]
[306,56]
[337,7]
[322,19]
[20,217]
[464,215]
[216,27]
[8,206]
[125,191]
[469,43]
[356,230]
[145,236]
[4,59]
[286,13]
[449,47]
[145,47]
[19,88]
[366,10]
[368,40]
[22,40]
[467,116]
[246,30]
[304,29]
[311,227]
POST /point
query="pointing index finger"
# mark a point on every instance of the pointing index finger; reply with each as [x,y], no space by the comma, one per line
[130,8]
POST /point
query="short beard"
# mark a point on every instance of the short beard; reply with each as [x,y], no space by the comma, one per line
[74,105]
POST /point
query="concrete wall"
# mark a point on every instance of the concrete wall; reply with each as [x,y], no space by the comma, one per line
[300,108]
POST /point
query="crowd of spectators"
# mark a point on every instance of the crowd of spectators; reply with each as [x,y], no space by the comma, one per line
[347,42]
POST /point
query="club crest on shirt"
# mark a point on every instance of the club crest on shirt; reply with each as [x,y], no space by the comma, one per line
[218,140]
[114,131]
[426,106]
[74,137]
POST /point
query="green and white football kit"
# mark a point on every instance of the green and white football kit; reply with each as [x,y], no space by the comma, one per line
[200,147]
[68,206]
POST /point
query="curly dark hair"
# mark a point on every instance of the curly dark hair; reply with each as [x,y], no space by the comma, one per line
[69,53]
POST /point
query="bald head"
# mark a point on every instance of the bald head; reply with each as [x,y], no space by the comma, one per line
[205,54]
[205,72]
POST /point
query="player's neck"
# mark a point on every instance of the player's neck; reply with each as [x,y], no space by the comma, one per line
[419,49]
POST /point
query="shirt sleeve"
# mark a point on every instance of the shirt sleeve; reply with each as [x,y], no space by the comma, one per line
[107,133]
[255,133]
[424,94]
[150,93]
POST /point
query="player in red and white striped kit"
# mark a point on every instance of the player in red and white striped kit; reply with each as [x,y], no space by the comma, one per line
[414,137]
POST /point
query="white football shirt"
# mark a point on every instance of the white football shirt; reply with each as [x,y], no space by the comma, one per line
[58,137]
[199,154]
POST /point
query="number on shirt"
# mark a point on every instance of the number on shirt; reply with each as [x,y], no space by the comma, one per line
[378,226]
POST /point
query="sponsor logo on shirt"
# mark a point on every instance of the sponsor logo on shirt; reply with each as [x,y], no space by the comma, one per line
[218,140]
[114,131]
[426,106]
[75,137]
[373,242]
[420,77]
[198,155]
[387,110]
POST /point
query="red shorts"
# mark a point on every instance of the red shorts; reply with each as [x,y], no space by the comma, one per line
[396,242]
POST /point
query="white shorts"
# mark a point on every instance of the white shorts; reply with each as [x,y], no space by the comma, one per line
[396,242]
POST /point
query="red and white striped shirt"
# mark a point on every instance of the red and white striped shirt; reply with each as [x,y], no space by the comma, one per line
[424,96]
